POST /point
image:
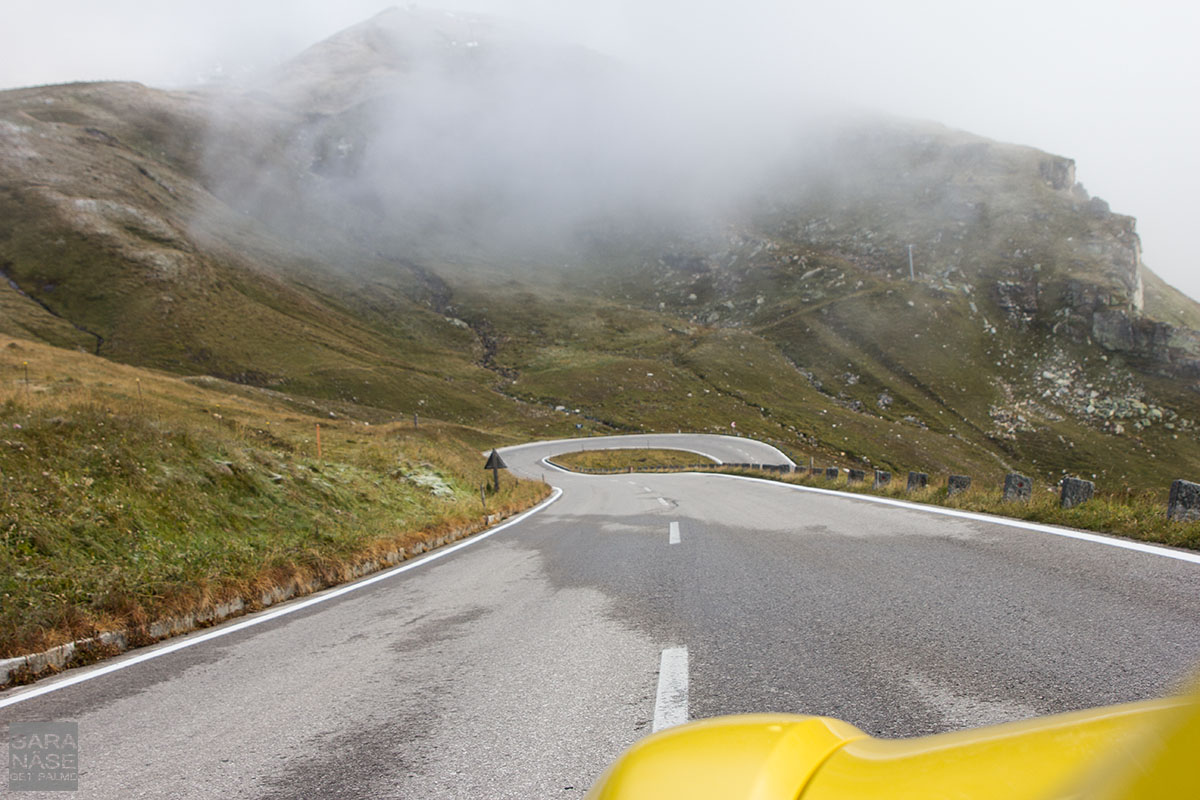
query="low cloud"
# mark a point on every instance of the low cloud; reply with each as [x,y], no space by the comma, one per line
[1106,83]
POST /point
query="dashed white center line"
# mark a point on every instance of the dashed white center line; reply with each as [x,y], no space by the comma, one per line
[671,703]
[663,500]
[674,536]
[647,488]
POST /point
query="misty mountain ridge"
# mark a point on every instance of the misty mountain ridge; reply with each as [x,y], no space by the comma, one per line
[427,120]
[444,212]
[367,60]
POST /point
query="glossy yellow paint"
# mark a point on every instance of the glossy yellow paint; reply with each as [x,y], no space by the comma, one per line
[1135,751]
[1035,759]
[757,756]
[1163,765]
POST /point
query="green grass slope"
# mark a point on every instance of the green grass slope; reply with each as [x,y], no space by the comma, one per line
[127,495]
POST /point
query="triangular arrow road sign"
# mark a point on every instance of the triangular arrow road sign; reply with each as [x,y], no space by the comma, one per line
[495,462]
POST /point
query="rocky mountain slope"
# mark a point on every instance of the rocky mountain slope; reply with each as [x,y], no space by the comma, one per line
[443,214]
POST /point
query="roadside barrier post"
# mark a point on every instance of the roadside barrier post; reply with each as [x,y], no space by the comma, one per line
[1075,491]
[956,484]
[1017,488]
[1184,505]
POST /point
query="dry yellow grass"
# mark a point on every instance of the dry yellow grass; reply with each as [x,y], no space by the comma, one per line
[128,495]
[1134,515]
[620,460]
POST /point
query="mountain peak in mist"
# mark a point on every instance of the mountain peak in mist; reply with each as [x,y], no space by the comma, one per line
[369,58]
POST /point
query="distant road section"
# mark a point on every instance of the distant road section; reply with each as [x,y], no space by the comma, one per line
[722,449]
[521,664]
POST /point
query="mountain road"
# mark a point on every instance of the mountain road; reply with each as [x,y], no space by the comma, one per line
[519,663]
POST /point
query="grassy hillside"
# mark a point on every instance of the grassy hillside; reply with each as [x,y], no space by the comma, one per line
[896,374]
[130,495]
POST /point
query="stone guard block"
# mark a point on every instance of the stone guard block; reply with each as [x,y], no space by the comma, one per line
[1184,505]
[1075,492]
[1017,488]
[956,484]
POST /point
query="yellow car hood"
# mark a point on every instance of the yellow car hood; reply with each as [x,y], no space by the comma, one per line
[1137,750]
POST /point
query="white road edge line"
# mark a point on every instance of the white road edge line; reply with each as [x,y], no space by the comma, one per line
[283,611]
[673,537]
[671,702]
[619,443]
[546,462]
[1070,533]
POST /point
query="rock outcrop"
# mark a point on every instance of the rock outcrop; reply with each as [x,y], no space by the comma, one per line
[1058,172]
[1167,346]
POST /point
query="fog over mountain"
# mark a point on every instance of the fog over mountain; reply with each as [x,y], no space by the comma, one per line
[1099,82]
[427,129]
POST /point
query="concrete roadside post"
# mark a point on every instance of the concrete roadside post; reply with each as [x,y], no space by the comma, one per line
[1017,488]
[856,476]
[831,473]
[917,480]
[1075,492]
[882,478]
[1184,504]
[956,484]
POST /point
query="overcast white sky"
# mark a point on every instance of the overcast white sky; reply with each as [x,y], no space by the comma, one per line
[1111,84]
